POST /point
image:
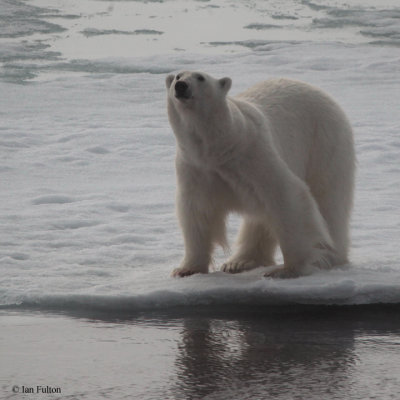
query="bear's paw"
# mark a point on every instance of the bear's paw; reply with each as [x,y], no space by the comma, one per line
[234,267]
[186,271]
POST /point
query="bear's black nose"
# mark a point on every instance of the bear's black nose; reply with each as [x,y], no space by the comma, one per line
[180,89]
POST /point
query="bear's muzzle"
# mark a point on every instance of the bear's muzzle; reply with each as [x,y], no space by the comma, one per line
[182,90]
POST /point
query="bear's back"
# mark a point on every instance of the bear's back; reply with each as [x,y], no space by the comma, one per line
[305,123]
[292,99]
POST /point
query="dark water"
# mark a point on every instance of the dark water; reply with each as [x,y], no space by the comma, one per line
[290,353]
[322,354]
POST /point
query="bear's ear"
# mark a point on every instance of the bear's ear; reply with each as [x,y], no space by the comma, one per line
[225,84]
[168,80]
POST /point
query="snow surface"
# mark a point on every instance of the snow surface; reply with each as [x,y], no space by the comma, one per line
[87,156]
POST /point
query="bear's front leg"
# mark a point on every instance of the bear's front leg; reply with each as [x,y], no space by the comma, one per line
[197,239]
[201,217]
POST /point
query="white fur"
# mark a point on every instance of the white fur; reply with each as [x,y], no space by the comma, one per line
[281,154]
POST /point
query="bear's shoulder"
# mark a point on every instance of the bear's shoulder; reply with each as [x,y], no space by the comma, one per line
[285,92]
[279,86]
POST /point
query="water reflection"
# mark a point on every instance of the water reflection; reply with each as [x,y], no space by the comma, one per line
[204,353]
[278,357]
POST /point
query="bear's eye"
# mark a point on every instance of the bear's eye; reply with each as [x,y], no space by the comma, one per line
[178,77]
[200,78]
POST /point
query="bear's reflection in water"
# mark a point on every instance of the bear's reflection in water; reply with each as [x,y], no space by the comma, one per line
[302,356]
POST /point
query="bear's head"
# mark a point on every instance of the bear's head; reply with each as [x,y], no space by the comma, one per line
[194,90]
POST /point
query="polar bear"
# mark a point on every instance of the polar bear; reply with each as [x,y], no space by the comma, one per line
[281,154]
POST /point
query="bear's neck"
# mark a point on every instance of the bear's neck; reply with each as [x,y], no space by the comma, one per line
[210,124]
[206,137]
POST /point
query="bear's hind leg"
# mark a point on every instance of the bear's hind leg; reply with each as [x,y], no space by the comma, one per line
[336,208]
[256,247]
